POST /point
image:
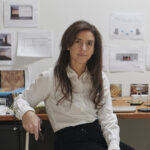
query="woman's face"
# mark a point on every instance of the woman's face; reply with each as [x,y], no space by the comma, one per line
[82,48]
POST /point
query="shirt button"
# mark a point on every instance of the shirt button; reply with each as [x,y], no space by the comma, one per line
[83,132]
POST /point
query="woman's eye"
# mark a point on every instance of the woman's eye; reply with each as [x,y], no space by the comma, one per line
[77,41]
[90,43]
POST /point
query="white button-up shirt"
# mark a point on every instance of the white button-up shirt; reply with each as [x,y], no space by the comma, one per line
[81,110]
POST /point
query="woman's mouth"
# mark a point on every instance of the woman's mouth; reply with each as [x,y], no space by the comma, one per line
[82,55]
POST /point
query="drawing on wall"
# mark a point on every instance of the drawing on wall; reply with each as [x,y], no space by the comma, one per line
[126,58]
[139,89]
[127,26]
[6,48]
[21,13]
[35,44]
[147,58]
[115,90]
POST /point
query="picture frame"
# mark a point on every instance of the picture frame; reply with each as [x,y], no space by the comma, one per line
[24,13]
[12,79]
[115,90]
[139,89]
[7,48]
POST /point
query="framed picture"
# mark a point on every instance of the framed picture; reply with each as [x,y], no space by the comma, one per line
[127,26]
[126,58]
[22,13]
[139,89]
[6,48]
[12,79]
[116,90]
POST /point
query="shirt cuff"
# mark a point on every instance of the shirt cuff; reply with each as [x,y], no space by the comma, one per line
[19,114]
[114,145]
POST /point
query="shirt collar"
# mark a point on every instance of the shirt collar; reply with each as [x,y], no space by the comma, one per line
[71,73]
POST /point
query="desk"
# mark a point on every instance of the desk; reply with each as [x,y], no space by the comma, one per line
[120,101]
[123,101]
[48,144]
[12,118]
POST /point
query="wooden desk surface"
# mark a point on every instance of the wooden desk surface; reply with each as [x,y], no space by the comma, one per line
[123,101]
[11,118]
[120,101]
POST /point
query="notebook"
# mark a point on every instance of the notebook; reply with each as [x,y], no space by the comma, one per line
[124,108]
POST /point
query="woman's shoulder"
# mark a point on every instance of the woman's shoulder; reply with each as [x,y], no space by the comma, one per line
[105,79]
[104,76]
[48,73]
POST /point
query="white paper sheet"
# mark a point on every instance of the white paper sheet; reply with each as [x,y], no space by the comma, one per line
[7,48]
[24,13]
[4,110]
[105,59]
[127,26]
[35,44]
[148,58]
[126,58]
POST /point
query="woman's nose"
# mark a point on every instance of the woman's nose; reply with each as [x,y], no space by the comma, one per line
[84,47]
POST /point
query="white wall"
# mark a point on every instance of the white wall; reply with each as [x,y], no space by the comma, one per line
[57,15]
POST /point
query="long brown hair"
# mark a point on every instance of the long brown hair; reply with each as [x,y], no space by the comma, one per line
[94,64]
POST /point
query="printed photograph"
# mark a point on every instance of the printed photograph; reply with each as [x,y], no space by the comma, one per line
[139,89]
[21,12]
[116,90]
[12,79]
[5,39]
[5,54]
[127,57]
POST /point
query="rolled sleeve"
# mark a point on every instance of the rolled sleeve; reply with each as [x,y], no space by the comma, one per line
[21,106]
[108,119]
[114,145]
[37,92]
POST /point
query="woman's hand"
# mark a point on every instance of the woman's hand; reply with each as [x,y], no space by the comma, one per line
[31,123]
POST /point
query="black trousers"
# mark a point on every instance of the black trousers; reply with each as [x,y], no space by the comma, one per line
[83,137]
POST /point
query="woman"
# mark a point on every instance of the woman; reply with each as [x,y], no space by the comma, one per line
[76,95]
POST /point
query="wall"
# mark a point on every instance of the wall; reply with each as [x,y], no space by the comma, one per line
[57,15]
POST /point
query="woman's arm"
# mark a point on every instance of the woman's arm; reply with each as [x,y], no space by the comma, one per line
[24,104]
[108,119]
[37,92]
